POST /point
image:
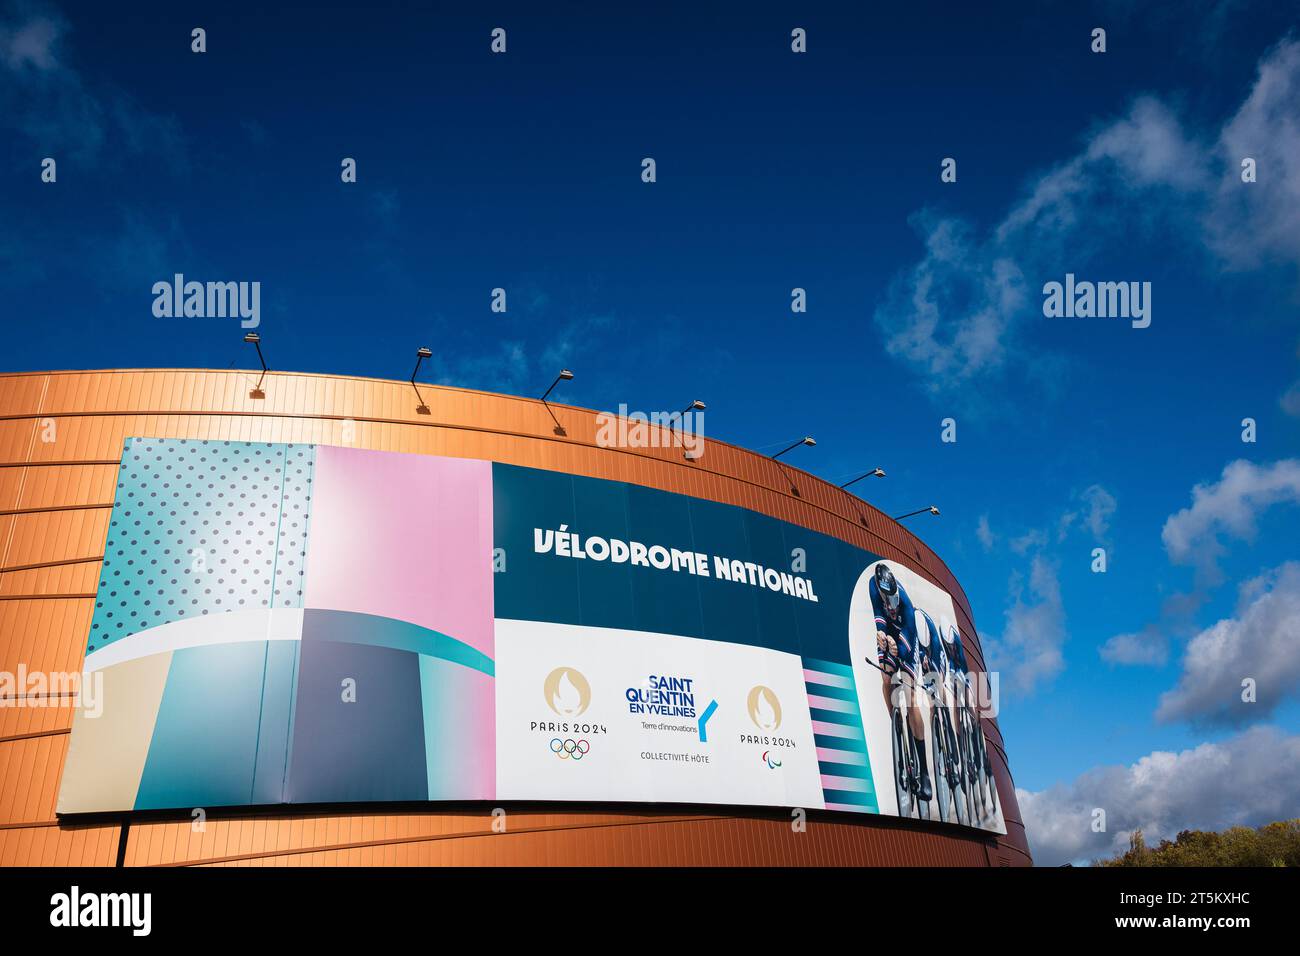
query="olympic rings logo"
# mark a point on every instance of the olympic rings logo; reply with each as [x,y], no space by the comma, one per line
[569,749]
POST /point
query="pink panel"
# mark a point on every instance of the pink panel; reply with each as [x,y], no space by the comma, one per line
[406,537]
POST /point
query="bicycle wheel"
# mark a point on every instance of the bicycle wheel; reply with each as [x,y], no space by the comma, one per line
[990,784]
[957,763]
[901,769]
[988,789]
[914,776]
[942,778]
[974,767]
[968,743]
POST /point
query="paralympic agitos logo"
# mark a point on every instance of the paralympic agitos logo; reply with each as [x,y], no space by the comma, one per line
[764,709]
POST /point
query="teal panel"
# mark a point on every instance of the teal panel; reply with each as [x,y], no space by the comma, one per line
[353,627]
[204,747]
[459,722]
[275,725]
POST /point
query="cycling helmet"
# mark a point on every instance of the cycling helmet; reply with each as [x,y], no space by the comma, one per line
[887,585]
[953,636]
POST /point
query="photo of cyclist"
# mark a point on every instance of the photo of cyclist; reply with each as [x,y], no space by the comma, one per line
[923,749]
[952,667]
[896,648]
[939,680]
[982,785]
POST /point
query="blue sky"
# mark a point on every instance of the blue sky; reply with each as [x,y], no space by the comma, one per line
[775,170]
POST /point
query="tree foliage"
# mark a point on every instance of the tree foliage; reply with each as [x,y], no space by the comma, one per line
[1276,844]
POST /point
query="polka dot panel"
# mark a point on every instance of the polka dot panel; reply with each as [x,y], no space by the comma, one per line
[295,518]
[202,527]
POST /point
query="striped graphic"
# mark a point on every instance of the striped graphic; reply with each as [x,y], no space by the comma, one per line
[841,743]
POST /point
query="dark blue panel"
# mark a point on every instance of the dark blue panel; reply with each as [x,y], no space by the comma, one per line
[605,590]
[664,601]
[833,567]
[370,750]
[730,610]
[534,587]
[545,587]
[776,611]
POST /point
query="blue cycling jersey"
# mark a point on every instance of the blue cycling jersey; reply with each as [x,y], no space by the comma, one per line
[932,650]
[900,625]
[956,653]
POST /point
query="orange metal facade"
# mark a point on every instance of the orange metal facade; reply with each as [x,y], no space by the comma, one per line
[61,437]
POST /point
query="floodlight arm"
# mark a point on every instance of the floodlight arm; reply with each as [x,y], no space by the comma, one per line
[874,473]
[920,511]
[806,440]
[256,341]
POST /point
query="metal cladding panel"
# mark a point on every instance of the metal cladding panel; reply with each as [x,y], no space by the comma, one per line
[572,838]
[47,635]
[42,538]
[30,768]
[51,845]
[61,436]
[36,581]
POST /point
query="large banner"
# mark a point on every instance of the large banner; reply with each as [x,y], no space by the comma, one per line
[309,624]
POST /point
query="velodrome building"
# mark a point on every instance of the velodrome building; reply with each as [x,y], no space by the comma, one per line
[312,620]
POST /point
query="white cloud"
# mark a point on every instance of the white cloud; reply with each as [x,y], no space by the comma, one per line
[1099,505]
[1290,400]
[950,314]
[30,44]
[956,313]
[1028,652]
[1246,224]
[1150,148]
[568,341]
[1229,506]
[1261,643]
[50,103]
[1031,539]
[1247,780]
[1148,646]
[505,370]
[1145,148]
[526,365]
